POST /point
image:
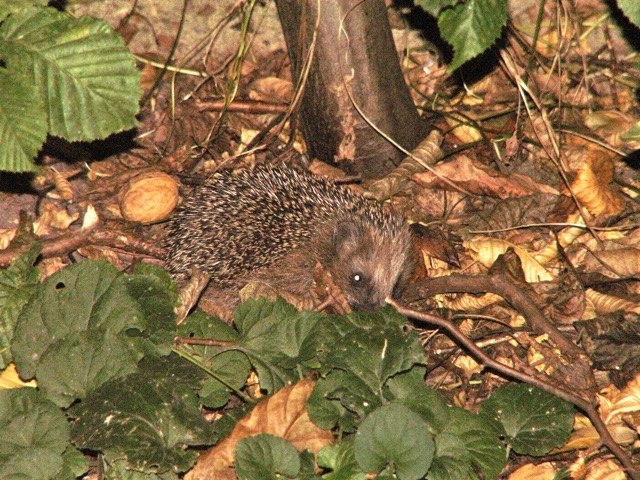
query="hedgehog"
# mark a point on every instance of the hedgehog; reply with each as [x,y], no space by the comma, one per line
[275,224]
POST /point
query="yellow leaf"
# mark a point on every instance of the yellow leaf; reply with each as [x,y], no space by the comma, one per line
[9,378]
[485,250]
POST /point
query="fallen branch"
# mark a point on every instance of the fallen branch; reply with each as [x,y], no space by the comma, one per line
[581,400]
[95,235]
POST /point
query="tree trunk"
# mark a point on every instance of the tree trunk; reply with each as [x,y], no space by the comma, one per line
[364,62]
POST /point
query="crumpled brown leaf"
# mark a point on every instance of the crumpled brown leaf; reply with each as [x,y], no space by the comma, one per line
[482,180]
[284,414]
[593,185]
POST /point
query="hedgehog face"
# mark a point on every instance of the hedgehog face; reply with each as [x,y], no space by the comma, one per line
[368,266]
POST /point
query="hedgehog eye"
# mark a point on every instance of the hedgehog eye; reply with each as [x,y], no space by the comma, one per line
[356,278]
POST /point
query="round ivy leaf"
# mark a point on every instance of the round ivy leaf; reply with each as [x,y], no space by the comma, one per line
[397,437]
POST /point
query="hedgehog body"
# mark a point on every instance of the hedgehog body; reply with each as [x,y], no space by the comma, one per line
[275,224]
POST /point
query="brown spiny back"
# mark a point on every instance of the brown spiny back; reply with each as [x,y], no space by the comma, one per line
[275,224]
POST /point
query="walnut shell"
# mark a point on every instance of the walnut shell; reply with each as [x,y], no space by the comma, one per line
[149,197]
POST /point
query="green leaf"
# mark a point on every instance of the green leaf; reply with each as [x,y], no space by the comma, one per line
[80,66]
[341,460]
[631,8]
[371,345]
[147,418]
[34,436]
[119,470]
[396,437]
[472,27]
[278,340]
[12,6]
[156,295]
[76,364]
[362,351]
[74,464]
[231,368]
[23,124]
[409,389]
[17,284]
[341,399]
[466,446]
[85,296]
[266,457]
[531,420]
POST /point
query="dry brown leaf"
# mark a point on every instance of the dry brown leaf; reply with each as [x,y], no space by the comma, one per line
[599,469]
[467,302]
[626,401]
[609,125]
[482,180]
[593,185]
[462,129]
[271,89]
[584,435]
[6,235]
[53,217]
[486,250]
[49,266]
[284,414]
[63,187]
[543,471]
[608,303]
[468,365]
[620,262]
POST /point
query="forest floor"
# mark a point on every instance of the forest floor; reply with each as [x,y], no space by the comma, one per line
[541,148]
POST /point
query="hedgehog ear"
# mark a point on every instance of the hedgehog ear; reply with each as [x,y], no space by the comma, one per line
[346,235]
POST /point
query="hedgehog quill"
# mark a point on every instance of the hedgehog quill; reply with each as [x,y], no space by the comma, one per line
[274,224]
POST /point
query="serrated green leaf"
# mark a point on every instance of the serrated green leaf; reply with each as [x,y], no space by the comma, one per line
[231,368]
[341,460]
[341,399]
[631,8]
[81,67]
[371,345]
[278,340]
[393,436]
[74,464]
[410,389]
[119,470]
[76,364]
[23,124]
[156,294]
[34,436]
[85,296]
[17,285]
[531,420]
[147,418]
[472,27]
[266,457]
[466,446]
[8,7]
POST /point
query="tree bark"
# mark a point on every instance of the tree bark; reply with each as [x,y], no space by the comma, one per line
[362,61]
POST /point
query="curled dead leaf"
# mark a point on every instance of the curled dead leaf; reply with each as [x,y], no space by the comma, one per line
[593,185]
[476,178]
[609,125]
[284,414]
[544,471]
[608,303]
[486,250]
